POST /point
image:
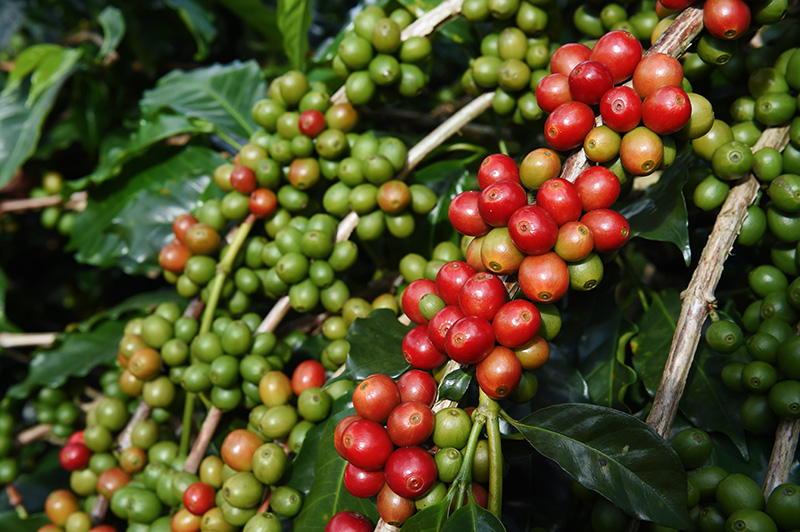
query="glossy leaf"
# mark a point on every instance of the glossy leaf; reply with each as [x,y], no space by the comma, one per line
[614,454]
[294,19]
[21,124]
[113,24]
[5,325]
[660,214]
[473,517]
[376,346]
[47,64]
[705,400]
[199,21]
[150,132]
[560,382]
[328,494]
[454,385]
[431,519]
[75,355]
[259,16]
[128,220]
[221,94]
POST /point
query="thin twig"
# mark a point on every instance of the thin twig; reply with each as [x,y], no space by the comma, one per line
[674,41]
[203,439]
[422,27]
[27,339]
[37,432]
[699,295]
[783,451]
[76,202]
[141,413]
[383,526]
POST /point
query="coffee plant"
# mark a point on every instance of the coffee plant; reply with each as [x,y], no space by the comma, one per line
[395,265]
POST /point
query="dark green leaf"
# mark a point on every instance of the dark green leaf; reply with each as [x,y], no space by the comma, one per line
[260,16]
[113,24]
[559,382]
[431,519]
[43,474]
[454,385]
[5,325]
[294,19]
[376,346]
[614,454]
[221,94]
[301,473]
[140,303]
[10,521]
[328,494]
[128,220]
[660,214]
[705,400]
[473,517]
[75,355]
[150,132]
[199,21]
[47,64]
[21,124]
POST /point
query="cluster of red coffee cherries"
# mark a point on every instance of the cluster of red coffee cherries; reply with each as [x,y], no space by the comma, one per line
[583,77]
[382,442]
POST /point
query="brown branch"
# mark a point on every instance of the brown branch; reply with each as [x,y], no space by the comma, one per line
[699,295]
[76,202]
[37,432]
[783,451]
[422,27]
[203,439]
[675,41]
[141,413]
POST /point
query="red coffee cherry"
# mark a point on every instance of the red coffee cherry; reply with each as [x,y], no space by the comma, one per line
[561,199]
[199,498]
[262,202]
[410,472]
[393,508]
[621,109]
[74,456]
[441,323]
[589,80]
[575,241]
[469,340]
[544,278]
[410,423]
[482,295]
[416,385]
[450,278]
[419,351]
[173,256]
[611,230]
[181,223]
[339,430]
[464,214]
[533,230]
[366,444]
[666,110]
[567,126]
[499,373]
[411,296]
[499,200]
[349,522]
[726,19]
[551,91]
[620,51]
[516,323]
[307,374]
[654,71]
[311,122]
[568,56]
[375,397]
[362,483]
[597,187]
[243,179]
[497,167]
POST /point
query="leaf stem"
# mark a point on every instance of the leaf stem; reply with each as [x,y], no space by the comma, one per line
[186,423]
[491,410]
[463,482]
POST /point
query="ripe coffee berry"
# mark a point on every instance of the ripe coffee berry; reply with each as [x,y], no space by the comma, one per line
[349,522]
[410,472]
[620,51]
[552,91]
[566,127]
[243,179]
[311,122]
[597,187]
[362,483]
[199,498]
[589,80]
[561,199]
[410,423]
[726,19]
[469,340]
[419,351]
[450,278]
[568,56]
[74,456]
[411,296]
[621,109]
[262,202]
[482,295]
[544,278]
[366,445]
[416,385]
[181,223]
[340,428]
[611,230]
[575,241]
[173,256]
[666,110]
[533,230]
[464,214]
[654,71]
[499,373]
[499,200]
[516,323]
[497,167]
[307,374]
[375,397]
[441,323]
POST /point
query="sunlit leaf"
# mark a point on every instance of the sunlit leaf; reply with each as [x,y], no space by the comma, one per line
[113,24]
[294,19]
[454,385]
[614,454]
[431,519]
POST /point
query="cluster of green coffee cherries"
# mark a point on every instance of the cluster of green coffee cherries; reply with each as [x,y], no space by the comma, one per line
[53,216]
[771,102]
[373,59]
